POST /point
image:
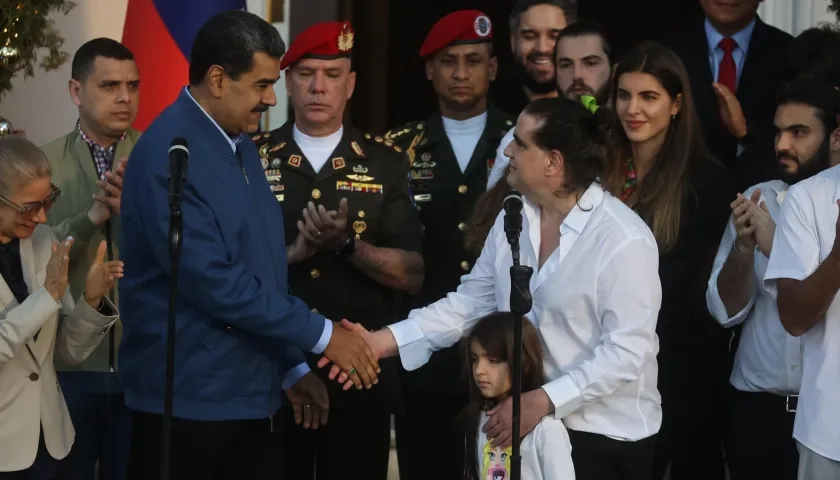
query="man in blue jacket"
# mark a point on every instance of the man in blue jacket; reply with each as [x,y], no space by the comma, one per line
[240,334]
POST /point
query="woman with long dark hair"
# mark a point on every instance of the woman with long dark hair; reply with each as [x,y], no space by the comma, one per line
[663,170]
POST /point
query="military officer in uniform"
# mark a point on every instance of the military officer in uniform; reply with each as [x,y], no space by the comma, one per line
[450,155]
[354,240]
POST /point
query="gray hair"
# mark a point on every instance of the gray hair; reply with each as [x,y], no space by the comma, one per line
[21,162]
[569,7]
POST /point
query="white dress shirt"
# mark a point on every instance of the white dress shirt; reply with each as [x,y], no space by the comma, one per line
[464,136]
[803,240]
[768,358]
[739,54]
[501,160]
[595,303]
[546,453]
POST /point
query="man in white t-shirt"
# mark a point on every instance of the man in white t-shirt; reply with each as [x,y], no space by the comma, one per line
[805,267]
[768,365]
[583,62]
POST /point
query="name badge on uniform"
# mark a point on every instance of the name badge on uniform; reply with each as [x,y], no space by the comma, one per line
[358,187]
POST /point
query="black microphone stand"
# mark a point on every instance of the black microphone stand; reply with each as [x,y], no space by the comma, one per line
[175,232]
[520,304]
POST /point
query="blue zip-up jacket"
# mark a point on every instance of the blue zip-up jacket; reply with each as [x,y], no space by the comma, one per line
[238,328]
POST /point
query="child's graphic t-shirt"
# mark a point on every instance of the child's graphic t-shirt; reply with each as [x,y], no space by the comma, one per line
[546,453]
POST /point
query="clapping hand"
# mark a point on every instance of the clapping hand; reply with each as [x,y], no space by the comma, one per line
[310,401]
[741,214]
[110,192]
[764,226]
[324,229]
[730,111]
[101,277]
[56,277]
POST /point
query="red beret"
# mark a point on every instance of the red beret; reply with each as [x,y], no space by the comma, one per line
[463,26]
[325,40]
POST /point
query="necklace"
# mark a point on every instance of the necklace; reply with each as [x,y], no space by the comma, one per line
[630,180]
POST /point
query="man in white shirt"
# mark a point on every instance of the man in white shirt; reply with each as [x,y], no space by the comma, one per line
[583,60]
[805,268]
[451,154]
[596,299]
[768,364]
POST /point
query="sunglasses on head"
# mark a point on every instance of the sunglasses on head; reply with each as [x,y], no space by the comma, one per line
[34,207]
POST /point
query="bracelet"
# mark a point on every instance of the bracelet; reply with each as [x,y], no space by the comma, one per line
[745,254]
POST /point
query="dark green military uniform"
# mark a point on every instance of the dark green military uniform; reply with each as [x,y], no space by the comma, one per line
[445,197]
[434,394]
[372,174]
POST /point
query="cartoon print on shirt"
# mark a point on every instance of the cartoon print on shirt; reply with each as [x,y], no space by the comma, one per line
[495,462]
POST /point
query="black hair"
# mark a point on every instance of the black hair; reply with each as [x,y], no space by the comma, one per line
[230,39]
[87,54]
[815,51]
[581,136]
[817,93]
[569,7]
[583,28]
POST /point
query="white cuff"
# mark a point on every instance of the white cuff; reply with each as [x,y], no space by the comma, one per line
[414,349]
[294,375]
[565,396]
[718,309]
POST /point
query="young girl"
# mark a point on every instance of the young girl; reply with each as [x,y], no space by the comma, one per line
[546,451]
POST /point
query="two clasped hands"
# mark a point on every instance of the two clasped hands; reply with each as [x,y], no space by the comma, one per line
[107,201]
[753,224]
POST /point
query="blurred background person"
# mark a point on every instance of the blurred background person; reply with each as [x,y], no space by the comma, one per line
[88,161]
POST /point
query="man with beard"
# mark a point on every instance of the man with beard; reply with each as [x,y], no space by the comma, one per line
[583,65]
[534,28]
[451,154]
[767,372]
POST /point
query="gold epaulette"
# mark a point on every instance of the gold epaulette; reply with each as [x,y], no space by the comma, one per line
[402,133]
[387,143]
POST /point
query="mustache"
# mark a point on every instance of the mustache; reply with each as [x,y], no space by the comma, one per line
[579,84]
[787,156]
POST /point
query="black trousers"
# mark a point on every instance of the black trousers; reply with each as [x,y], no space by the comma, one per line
[597,457]
[694,389]
[221,450]
[45,466]
[430,420]
[759,437]
[355,443]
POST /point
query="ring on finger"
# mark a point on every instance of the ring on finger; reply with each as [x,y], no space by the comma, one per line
[351,371]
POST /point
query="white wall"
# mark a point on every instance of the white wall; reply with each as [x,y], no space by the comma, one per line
[41,105]
[794,16]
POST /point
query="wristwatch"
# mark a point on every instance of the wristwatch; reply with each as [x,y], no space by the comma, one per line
[346,248]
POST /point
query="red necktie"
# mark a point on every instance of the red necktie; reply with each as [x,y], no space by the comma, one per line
[727,71]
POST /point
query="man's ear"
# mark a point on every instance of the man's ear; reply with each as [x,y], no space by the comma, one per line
[430,69]
[834,139]
[494,68]
[75,88]
[216,79]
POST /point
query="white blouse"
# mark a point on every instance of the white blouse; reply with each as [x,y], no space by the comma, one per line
[595,303]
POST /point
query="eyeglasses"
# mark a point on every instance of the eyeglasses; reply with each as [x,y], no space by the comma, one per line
[34,207]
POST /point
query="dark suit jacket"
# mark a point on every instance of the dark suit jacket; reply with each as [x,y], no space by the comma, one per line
[761,78]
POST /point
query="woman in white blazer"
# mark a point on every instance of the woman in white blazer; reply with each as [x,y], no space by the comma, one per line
[38,316]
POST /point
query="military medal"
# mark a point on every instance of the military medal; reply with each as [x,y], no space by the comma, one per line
[276,163]
[359,226]
[358,176]
[265,163]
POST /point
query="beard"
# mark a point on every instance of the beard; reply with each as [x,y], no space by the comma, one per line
[527,79]
[807,169]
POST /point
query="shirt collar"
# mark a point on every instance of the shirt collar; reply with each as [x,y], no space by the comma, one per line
[233,141]
[579,215]
[742,37]
[93,144]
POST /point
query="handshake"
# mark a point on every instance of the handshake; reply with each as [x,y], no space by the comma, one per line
[354,354]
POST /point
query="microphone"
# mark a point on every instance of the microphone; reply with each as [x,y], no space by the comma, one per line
[513,217]
[178,155]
